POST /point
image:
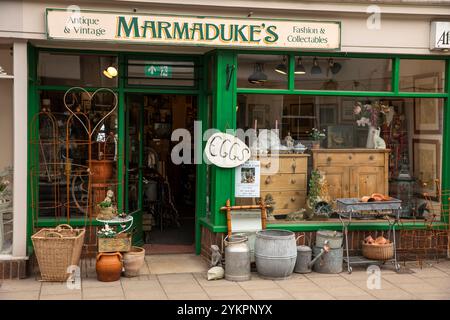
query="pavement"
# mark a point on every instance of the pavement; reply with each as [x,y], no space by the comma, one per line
[183,277]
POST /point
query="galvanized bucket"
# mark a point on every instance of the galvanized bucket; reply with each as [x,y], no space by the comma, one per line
[334,238]
[237,258]
[275,253]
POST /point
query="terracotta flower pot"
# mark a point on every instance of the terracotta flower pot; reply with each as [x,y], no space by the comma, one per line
[109,266]
[316,145]
[133,261]
[101,170]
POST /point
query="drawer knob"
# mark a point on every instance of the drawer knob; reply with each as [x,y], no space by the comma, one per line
[293,181]
[268,164]
[292,199]
[371,157]
[268,180]
[349,157]
[329,159]
[294,166]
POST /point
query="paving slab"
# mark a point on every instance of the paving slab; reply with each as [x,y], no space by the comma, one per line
[20,295]
[270,294]
[105,292]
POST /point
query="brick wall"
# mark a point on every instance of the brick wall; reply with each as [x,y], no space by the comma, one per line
[13,269]
[411,244]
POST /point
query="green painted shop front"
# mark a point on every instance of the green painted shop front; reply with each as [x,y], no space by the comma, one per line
[216,89]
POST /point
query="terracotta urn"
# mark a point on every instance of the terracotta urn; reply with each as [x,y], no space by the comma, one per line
[108,266]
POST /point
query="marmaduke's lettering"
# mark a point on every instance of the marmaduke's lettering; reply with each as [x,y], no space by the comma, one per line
[156,29]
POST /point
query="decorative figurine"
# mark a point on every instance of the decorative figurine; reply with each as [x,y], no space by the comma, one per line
[378,142]
[289,141]
[216,256]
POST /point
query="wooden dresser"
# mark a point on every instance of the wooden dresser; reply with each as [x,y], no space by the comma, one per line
[353,172]
[288,184]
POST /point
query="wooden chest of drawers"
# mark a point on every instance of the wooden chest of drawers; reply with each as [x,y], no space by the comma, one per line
[285,178]
[353,172]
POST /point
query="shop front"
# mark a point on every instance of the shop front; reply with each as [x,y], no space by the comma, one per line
[121,106]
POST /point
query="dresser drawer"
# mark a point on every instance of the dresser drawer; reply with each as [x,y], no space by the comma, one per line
[330,159]
[284,165]
[369,159]
[293,200]
[282,181]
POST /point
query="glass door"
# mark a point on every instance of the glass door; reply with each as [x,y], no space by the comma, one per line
[134,162]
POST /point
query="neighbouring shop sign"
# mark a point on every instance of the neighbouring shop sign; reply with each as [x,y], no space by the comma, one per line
[440,35]
[158,71]
[226,151]
[191,30]
[247,180]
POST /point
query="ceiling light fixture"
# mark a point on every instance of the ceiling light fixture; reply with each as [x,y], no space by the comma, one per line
[316,68]
[300,68]
[335,67]
[258,76]
[282,68]
[110,72]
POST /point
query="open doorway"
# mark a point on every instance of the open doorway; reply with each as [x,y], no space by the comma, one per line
[163,191]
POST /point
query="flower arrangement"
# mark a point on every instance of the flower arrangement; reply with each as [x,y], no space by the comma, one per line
[106,232]
[317,134]
[370,114]
[4,190]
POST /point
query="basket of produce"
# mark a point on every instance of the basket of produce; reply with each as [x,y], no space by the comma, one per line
[378,249]
[56,249]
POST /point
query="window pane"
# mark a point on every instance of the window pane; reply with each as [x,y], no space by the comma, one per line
[161,73]
[422,75]
[75,70]
[62,168]
[348,74]
[409,167]
[262,71]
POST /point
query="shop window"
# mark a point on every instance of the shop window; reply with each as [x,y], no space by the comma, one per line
[407,165]
[262,71]
[61,69]
[422,75]
[73,156]
[161,73]
[342,73]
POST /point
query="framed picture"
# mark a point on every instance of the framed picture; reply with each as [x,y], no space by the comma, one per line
[427,111]
[426,165]
[260,114]
[327,114]
[340,137]
[346,112]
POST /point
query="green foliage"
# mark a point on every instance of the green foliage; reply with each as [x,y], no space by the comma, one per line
[105,204]
[314,187]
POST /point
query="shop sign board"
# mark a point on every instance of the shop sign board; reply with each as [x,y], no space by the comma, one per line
[440,35]
[116,27]
[247,180]
[158,71]
[226,151]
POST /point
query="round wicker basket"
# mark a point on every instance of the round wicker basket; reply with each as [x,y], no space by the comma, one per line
[378,251]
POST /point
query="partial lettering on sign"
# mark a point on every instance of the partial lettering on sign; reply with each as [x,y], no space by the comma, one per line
[440,35]
[226,151]
[191,30]
[158,71]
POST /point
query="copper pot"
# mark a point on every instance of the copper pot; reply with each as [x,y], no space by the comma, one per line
[101,170]
[108,266]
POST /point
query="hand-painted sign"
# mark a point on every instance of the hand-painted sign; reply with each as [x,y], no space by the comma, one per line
[158,71]
[189,30]
[226,151]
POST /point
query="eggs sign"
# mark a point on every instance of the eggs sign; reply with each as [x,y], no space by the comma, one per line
[226,151]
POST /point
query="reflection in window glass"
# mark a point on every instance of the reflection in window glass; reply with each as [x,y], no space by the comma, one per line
[338,73]
[422,75]
[75,70]
[408,131]
[262,71]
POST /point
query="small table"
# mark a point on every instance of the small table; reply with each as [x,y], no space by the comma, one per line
[348,208]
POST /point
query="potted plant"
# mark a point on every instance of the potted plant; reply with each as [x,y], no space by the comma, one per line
[317,136]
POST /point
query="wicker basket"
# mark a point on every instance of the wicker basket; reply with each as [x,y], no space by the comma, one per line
[121,243]
[56,249]
[378,251]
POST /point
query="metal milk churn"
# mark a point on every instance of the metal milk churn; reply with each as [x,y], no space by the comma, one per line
[237,258]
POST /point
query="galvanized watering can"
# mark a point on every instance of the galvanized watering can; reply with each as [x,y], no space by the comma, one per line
[304,261]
